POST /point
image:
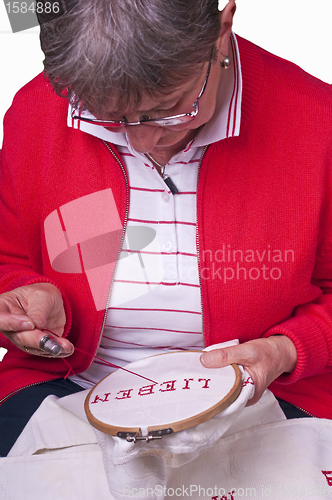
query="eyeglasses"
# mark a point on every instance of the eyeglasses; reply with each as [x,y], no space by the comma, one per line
[167,121]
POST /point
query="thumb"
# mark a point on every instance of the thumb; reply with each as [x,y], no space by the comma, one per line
[217,358]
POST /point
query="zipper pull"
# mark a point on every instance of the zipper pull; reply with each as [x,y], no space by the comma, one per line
[168,181]
[170,184]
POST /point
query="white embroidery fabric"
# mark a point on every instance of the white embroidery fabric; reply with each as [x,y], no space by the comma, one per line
[143,465]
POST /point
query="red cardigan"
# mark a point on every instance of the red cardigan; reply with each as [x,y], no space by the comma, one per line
[264,221]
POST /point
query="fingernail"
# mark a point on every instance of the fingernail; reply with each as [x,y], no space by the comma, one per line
[26,325]
[70,350]
[208,358]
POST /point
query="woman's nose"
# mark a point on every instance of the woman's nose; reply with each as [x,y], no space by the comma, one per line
[143,138]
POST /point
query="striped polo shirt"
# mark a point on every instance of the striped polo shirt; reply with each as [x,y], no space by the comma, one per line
[155,303]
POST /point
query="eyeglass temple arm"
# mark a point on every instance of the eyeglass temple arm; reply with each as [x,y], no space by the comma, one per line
[206,78]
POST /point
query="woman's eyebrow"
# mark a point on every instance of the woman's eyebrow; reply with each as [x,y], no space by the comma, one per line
[162,103]
[173,100]
[169,102]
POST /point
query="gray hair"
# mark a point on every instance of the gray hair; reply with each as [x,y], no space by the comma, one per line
[113,51]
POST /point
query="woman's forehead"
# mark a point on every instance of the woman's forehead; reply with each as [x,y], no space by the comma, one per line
[157,101]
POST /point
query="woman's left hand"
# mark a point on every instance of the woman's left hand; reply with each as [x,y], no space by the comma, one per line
[264,360]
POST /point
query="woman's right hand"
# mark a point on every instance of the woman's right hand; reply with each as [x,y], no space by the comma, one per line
[44,307]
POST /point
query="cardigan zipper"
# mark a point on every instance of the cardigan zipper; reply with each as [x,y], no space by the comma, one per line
[122,239]
[197,240]
[305,411]
[124,230]
[21,389]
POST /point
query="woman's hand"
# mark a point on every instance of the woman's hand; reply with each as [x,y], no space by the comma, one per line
[264,360]
[44,307]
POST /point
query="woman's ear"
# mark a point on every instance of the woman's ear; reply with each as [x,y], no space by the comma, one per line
[226,18]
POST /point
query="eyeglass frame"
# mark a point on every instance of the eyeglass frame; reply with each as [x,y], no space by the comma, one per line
[158,122]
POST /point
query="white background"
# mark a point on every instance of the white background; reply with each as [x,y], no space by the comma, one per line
[298,30]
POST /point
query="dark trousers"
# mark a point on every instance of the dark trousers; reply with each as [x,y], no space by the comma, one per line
[17,410]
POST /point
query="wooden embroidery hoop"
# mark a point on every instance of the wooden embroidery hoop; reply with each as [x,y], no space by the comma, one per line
[117,404]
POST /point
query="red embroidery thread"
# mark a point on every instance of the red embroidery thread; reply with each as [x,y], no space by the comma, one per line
[328,475]
[147,389]
[98,398]
[187,380]
[100,359]
[169,386]
[206,380]
[248,381]
[126,394]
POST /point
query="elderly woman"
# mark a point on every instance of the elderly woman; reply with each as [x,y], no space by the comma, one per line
[165,185]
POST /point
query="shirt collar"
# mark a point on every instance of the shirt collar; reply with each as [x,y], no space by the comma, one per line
[224,123]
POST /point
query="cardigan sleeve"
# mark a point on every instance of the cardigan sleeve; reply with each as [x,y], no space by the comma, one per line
[310,327]
[16,266]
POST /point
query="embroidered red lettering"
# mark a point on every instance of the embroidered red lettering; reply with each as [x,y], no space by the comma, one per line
[187,380]
[328,475]
[125,394]
[169,386]
[248,381]
[206,380]
[98,399]
[224,497]
[147,389]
